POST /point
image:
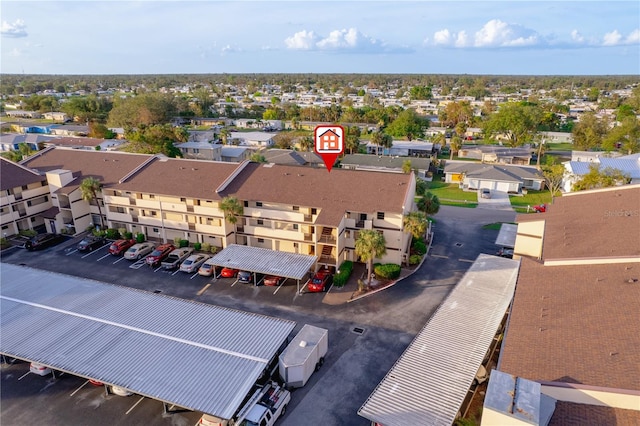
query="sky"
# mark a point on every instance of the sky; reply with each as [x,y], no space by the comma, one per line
[413,37]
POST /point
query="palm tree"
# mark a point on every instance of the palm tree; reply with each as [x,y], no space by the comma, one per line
[378,139]
[232,209]
[439,138]
[415,223]
[224,135]
[454,145]
[429,204]
[306,142]
[369,245]
[89,191]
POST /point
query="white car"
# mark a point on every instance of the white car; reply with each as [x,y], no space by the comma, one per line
[207,268]
[193,262]
[138,251]
[39,369]
[117,390]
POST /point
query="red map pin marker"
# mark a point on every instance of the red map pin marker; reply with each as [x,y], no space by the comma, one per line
[328,143]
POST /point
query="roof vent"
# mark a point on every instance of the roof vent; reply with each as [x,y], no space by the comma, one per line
[194,169]
[303,344]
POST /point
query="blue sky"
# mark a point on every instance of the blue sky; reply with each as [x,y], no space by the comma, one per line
[422,37]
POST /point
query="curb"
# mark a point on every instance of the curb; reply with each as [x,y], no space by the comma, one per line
[372,292]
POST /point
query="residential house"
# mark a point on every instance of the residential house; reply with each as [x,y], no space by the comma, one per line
[85,143]
[24,195]
[19,113]
[504,178]
[289,157]
[56,116]
[403,149]
[573,325]
[234,154]
[200,150]
[556,137]
[628,165]
[496,154]
[253,139]
[166,198]
[69,130]
[385,164]
[12,141]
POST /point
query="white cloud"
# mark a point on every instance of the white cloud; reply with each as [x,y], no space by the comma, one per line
[442,37]
[497,33]
[613,38]
[15,52]
[302,40]
[15,29]
[347,40]
[229,49]
[577,37]
[634,37]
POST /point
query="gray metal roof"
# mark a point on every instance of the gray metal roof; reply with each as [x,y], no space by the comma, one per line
[507,235]
[264,261]
[429,382]
[197,356]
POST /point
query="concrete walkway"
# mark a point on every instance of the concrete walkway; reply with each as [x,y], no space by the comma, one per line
[499,201]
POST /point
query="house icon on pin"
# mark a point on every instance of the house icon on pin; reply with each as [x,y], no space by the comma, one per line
[329,140]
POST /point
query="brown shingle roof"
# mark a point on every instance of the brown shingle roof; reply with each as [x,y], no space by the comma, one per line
[13,175]
[575,324]
[597,224]
[177,177]
[573,414]
[333,193]
[108,167]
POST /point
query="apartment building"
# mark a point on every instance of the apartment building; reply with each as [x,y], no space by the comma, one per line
[286,208]
[24,197]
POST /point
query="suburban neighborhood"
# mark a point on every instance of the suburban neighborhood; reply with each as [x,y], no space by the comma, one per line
[470,256]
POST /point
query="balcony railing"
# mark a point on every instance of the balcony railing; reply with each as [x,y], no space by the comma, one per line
[327,239]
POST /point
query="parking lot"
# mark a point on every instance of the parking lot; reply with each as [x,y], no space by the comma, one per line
[354,365]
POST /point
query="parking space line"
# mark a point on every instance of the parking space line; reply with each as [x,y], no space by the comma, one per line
[24,375]
[106,255]
[81,386]
[137,265]
[235,282]
[203,289]
[122,258]
[71,252]
[157,269]
[466,260]
[135,405]
[439,256]
[194,275]
[281,284]
[177,270]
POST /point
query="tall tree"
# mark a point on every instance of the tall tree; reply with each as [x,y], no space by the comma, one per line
[626,136]
[89,188]
[156,139]
[370,245]
[553,173]
[597,178]
[589,132]
[408,124]
[429,204]
[415,223]
[517,121]
[232,209]
[455,113]
[224,135]
[454,145]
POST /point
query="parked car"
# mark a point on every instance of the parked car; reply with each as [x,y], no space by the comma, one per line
[91,242]
[540,208]
[39,369]
[117,390]
[193,262]
[272,280]
[207,269]
[96,382]
[176,257]
[505,252]
[41,241]
[228,273]
[485,193]
[245,277]
[320,281]
[138,251]
[118,247]
[159,254]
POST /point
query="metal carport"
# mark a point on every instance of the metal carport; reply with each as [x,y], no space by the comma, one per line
[184,353]
[264,261]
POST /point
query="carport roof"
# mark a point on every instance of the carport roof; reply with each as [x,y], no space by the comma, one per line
[507,235]
[193,355]
[429,382]
[264,261]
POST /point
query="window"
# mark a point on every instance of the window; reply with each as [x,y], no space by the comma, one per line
[155,230]
[154,213]
[25,187]
[184,200]
[295,245]
[261,240]
[296,208]
[260,222]
[258,203]
[314,211]
[295,226]
[347,234]
[33,219]
[246,204]
[151,196]
[381,215]
[363,216]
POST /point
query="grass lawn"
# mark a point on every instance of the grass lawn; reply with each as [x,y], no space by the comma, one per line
[532,198]
[565,146]
[450,194]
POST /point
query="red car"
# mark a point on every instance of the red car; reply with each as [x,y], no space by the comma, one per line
[159,254]
[228,273]
[320,281]
[540,208]
[272,280]
[117,248]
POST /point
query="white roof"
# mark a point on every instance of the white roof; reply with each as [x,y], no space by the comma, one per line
[193,355]
[264,261]
[429,382]
[507,235]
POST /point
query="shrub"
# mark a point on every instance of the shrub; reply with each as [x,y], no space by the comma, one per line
[63,231]
[28,233]
[421,187]
[214,249]
[90,228]
[414,259]
[128,235]
[197,246]
[176,241]
[3,241]
[341,277]
[140,237]
[206,247]
[122,231]
[98,233]
[112,234]
[183,243]
[388,271]
[419,247]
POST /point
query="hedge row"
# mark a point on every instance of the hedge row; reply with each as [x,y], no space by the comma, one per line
[340,278]
[388,270]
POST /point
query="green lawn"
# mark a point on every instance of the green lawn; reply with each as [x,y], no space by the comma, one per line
[450,194]
[559,146]
[531,199]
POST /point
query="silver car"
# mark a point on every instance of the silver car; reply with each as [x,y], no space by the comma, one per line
[138,251]
[193,262]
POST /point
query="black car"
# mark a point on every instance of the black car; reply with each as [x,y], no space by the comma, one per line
[41,241]
[505,252]
[91,242]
